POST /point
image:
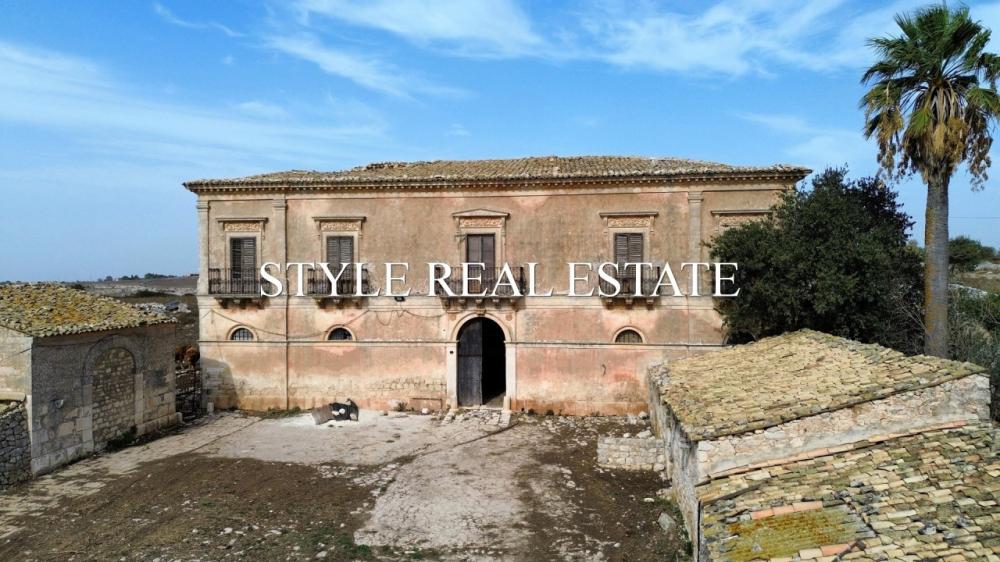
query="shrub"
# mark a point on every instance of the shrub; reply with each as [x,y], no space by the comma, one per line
[833,258]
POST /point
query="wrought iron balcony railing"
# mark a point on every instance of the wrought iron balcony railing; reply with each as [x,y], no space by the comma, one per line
[234,282]
[490,282]
[318,284]
[626,278]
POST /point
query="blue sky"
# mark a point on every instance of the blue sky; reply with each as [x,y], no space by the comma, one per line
[106,107]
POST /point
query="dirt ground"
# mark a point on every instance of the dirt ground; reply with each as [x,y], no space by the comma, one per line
[395,487]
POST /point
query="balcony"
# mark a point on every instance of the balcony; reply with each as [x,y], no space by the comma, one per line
[497,290]
[627,293]
[318,286]
[237,286]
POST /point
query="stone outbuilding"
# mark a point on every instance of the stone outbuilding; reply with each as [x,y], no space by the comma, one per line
[77,372]
[739,413]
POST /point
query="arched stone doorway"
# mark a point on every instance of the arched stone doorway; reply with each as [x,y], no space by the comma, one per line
[482,364]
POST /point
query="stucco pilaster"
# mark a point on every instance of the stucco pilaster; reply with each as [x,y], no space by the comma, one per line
[203,249]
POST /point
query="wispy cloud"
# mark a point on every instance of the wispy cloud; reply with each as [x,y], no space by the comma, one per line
[457,130]
[486,28]
[52,90]
[817,146]
[170,18]
[364,70]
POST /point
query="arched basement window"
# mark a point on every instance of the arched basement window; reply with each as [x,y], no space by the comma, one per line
[340,334]
[628,336]
[241,334]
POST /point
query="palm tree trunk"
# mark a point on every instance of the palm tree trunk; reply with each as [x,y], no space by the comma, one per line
[936,267]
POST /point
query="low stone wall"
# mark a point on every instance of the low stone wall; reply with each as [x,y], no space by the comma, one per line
[15,447]
[632,453]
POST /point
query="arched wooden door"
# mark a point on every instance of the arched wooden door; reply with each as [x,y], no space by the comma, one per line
[481,362]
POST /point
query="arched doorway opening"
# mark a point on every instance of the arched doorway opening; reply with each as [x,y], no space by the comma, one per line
[482,364]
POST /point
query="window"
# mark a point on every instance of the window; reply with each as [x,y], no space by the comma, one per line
[628,248]
[339,251]
[340,334]
[241,334]
[628,336]
[243,257]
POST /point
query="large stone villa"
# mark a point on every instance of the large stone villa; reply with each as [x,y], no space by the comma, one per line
[568,354]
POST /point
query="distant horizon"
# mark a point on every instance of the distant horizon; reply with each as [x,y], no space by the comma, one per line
[101,129]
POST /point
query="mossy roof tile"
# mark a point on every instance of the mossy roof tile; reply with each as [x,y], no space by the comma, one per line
[774,380]
[46,309]
[456,172]
[934,491]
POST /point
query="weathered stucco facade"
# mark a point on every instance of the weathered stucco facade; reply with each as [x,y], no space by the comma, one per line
[558,353]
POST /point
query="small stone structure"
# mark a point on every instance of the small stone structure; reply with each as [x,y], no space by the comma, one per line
[631,453]
[800,396]
[90,370]
[15,452]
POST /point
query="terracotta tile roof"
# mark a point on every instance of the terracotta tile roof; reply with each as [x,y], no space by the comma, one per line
[774,380]
[49,310]
[931,496]
[456,172]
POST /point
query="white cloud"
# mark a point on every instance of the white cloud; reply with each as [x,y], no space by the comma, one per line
[170,18]
[457,130]
[261,108]
[364,70]
[51,90]
[736,37]
[470,27]
[816,146]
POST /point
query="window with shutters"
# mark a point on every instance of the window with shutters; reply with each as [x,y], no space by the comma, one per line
[243,257]
[628,247]
[339,251]
[481,248]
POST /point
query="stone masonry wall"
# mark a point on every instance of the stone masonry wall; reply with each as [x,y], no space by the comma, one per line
[631,453]
[114,396]
[964,399]
[15,447]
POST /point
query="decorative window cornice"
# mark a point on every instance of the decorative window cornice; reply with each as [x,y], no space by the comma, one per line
[242,224]
[339,223]
[629,219]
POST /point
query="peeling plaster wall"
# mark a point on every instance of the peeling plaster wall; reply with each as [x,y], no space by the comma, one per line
[564,353]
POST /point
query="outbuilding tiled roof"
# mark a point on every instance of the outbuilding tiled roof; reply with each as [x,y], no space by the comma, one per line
[930,496]
[774,380]
[461,172]
[50,310]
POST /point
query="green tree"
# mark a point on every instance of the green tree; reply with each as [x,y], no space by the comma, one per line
[931,104]
[964,253]
[832,258]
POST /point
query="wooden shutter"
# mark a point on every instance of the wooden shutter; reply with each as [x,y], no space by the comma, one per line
[481,248]
[339,250]
[243,255]
[628,248]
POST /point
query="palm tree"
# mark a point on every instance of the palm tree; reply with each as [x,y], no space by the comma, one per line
[932,103]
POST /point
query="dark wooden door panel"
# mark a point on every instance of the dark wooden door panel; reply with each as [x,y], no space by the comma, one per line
[470,364]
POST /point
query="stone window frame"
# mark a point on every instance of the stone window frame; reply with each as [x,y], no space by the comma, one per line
[339,225]
[629,222]
[232,331]
[326,336]
[243,227]
[482,221]
[642,336]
